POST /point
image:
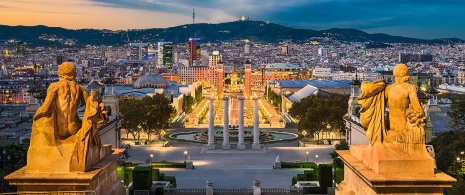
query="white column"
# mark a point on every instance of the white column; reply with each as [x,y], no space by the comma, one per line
[240,144]
[256,133]
[226,124]
[211,125]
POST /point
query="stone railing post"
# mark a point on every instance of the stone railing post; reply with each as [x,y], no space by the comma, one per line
[209,189]
[257,190]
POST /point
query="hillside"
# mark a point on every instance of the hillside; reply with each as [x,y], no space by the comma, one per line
[253,30]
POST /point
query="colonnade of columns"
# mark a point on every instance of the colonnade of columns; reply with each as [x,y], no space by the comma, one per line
[226,144]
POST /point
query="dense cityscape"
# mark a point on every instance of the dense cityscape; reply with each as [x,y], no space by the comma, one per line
[260,85]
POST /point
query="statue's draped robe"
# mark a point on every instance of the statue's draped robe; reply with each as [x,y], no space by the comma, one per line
[87,149]
[372,113]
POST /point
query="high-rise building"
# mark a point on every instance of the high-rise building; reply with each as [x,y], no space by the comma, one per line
[285,50]
[194,50]
[247,48]
[214,58]
[139,51]
[165,54]
[323,51]
[409,57]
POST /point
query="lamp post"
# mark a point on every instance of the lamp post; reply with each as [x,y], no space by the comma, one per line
[304,133]
[307,155]
[185,156]
[151,158]
[316,157]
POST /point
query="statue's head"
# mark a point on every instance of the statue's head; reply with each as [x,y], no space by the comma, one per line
[401,71]
[67,71]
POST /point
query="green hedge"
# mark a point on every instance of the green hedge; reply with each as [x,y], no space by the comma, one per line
[125,174]
[171,179]
[156,175]
[142,178]
[339,175]
[297,165]
[168,165]
[326,176]
[310,175]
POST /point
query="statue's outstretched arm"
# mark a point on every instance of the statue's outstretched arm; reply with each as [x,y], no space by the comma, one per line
[49,99]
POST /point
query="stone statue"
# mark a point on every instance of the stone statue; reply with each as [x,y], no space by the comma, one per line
[56,120]
[406,117]
[60,141]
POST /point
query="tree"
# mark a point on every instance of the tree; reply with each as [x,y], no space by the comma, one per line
[187,104]
[340,146]
[13,159]
[157,113]
[316,112]
[457,114]
[130,109]
[198,94]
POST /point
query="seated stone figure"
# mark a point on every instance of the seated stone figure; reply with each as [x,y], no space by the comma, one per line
[60,141]
[406,116]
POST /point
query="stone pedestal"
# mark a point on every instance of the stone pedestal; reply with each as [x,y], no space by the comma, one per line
[209,189]
[189,164]
[277,165]
[101,179]
[378,169]
[211,125]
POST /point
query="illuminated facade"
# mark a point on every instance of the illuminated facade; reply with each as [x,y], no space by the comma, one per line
[194,50]
[165,54]
[139,51]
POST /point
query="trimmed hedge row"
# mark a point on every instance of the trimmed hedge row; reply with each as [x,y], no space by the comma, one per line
[168,165]
[297,165]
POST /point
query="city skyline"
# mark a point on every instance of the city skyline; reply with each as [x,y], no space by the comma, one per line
[418,19]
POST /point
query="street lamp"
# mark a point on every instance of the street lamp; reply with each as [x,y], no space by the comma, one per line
[316,157]
[304,133]
[151,158]
[307,155]
[185,156]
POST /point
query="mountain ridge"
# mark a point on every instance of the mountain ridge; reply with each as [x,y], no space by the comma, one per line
[257,31]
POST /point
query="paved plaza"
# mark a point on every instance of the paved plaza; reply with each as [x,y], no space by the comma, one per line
[231,168]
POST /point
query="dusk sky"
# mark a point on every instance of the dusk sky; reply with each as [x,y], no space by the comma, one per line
[412,18]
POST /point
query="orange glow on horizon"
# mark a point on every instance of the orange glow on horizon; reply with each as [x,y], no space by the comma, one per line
[79,14]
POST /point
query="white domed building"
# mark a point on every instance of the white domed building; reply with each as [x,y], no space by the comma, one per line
[150,80]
